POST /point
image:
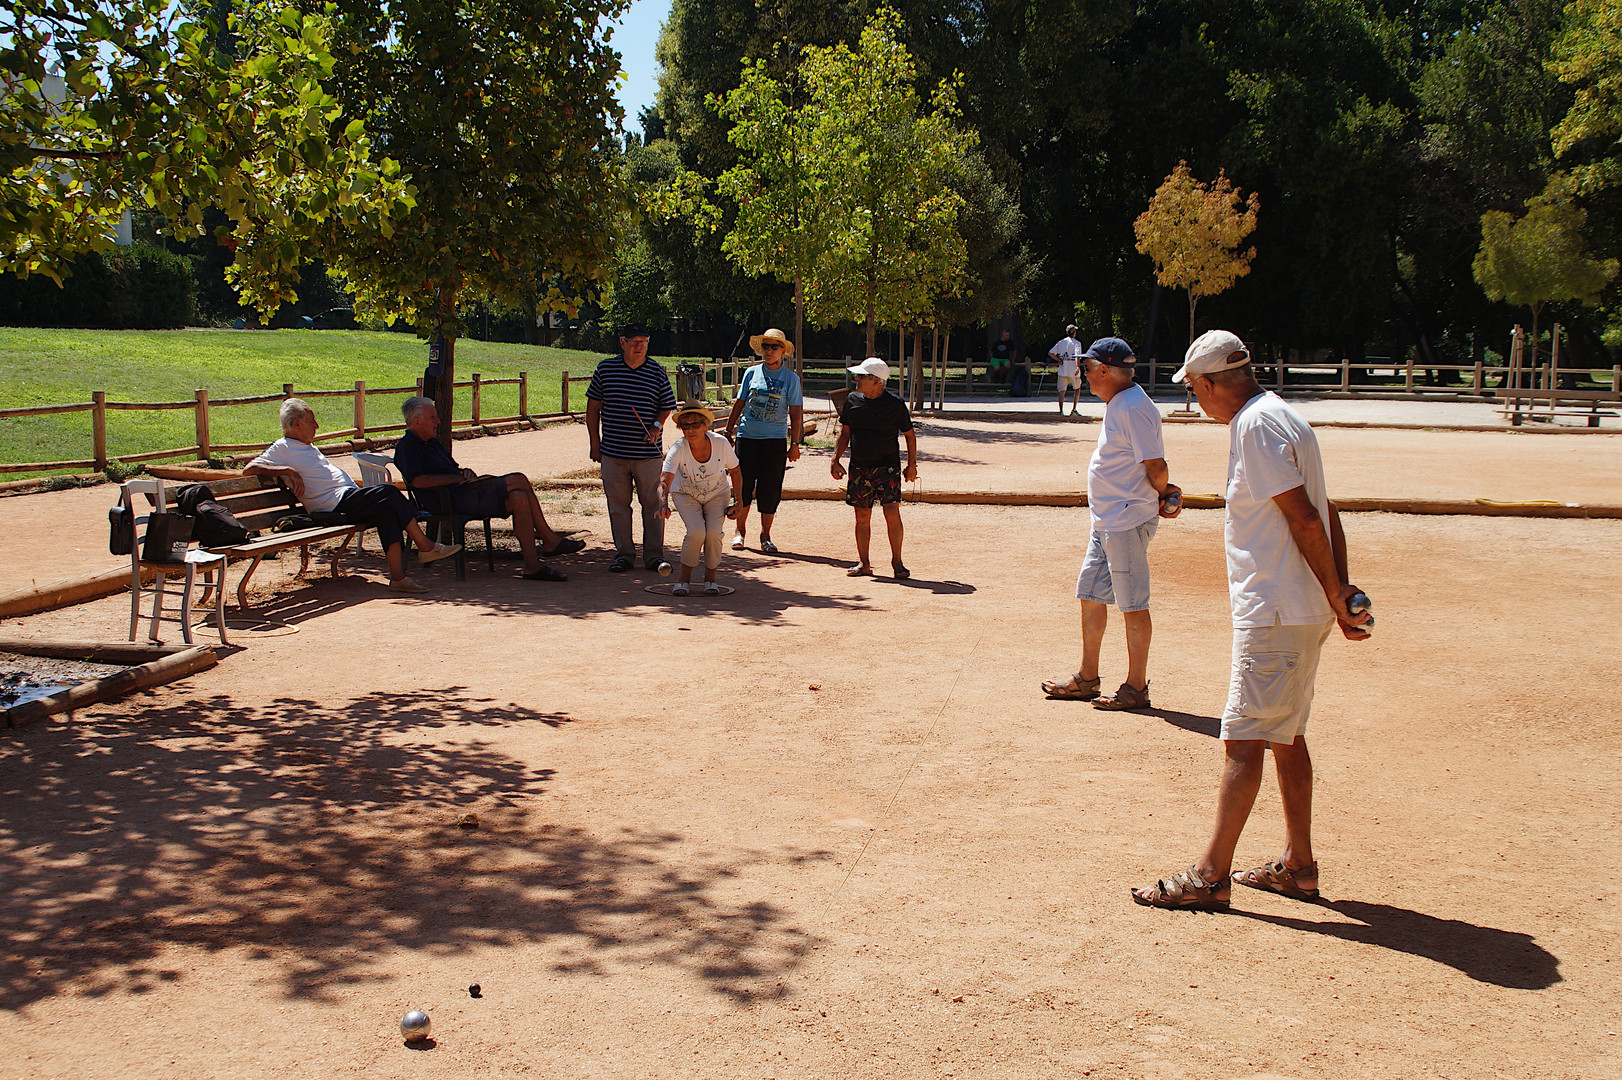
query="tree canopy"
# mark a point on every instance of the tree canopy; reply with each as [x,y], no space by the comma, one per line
[1194,232]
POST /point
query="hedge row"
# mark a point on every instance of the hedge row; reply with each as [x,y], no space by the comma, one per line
[141,287]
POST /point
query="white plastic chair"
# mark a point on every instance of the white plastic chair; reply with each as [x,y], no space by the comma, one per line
[374,470]
[213,567]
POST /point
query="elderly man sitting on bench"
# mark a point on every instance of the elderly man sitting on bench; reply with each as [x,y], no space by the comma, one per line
[426,464]
[324,488]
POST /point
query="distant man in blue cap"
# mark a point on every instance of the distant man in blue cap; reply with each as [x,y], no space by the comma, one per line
[1127,487]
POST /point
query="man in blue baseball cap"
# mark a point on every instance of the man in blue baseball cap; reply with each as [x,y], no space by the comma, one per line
[1127,487]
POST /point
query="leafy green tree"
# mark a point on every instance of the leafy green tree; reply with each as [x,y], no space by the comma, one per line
[502,113]
[894,243]
[1588,57]
[1540,256]
[158,106]
[1195,231]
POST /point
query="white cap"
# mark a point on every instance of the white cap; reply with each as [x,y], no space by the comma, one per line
[872,366]
[1212,351]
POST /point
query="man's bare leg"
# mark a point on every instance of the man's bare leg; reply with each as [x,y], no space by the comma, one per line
[892,525]
[864,535]
[523,529]
[1094,620]
[1241,779]
[518,484]
[1294,766]
[1139,629]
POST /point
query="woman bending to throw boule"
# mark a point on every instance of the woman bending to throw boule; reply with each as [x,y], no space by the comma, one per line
[700,473]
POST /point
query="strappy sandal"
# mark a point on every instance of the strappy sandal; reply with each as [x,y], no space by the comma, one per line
[1075,688]
[1127,697]
[1276,877]
[1186,891]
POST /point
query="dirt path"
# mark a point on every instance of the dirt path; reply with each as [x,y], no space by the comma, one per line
[828,828]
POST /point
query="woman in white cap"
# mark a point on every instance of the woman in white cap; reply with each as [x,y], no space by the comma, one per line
[767,417]
[699,473]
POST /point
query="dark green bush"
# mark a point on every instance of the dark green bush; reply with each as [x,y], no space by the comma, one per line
[141,287]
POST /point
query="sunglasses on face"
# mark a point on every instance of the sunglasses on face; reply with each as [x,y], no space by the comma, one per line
[688,425]
[769,345]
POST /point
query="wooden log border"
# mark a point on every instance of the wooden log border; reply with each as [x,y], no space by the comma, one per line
[163,663]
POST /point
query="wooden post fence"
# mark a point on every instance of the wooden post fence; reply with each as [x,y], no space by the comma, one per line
[360,409]
[203,451]
[565,393]
[477,388]
[98,428]
[523,394]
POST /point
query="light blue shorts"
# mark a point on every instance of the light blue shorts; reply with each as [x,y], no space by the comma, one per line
[1116,568]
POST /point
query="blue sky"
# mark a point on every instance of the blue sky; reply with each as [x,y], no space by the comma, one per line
[635,39]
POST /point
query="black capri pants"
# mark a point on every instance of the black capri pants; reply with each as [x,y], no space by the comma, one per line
[762,463]
[381,506]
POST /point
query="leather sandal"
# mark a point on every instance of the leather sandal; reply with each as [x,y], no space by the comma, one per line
[1127,697]
[1075,688]
[1186,891]
[1276,877]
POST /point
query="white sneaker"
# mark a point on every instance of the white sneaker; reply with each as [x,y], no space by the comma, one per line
[711,589]
[680,589]
[437,552]
[406,585]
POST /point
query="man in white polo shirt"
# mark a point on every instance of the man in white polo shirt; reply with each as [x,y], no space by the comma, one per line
[1067,353]
[1127,487]
[1287,582]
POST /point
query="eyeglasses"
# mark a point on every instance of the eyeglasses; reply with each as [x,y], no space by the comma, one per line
[687,425]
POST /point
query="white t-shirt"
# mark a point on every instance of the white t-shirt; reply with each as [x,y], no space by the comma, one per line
[324,482]
[1069,351]
[1118,490]
[701,480]
[1270,451]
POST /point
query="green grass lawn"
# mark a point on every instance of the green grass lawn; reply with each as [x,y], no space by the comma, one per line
[59,367]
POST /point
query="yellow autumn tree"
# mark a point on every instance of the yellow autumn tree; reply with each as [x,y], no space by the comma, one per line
[1193,231]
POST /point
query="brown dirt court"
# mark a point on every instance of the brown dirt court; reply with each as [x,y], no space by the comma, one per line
[829,828]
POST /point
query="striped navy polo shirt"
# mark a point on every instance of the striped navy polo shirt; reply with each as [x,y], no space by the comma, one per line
[631,400]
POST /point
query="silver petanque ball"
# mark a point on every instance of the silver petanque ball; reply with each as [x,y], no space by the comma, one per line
[1358,603]
[664,569]
[1172,504]
[414,1026]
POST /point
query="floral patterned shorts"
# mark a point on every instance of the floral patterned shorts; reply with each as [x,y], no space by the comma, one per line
[869,484]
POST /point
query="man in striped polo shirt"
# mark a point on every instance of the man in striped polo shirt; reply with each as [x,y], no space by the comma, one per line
[627,404]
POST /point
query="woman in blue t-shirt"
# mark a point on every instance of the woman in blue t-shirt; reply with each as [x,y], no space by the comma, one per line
[765,427]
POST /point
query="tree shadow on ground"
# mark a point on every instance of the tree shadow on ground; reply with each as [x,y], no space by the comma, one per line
[319,837]
[591,590]
[1483,953]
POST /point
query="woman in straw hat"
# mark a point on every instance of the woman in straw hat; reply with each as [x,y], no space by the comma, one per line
[767,418]
[700,471]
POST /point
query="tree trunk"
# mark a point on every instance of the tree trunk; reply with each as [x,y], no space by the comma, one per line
[1532,369]
[444,392]
[799,327]
[916,369]
[1193,302]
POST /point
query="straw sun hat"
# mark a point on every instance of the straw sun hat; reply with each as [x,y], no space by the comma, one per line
[773,334]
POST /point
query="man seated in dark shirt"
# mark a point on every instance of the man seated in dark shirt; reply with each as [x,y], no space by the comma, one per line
[871,423]
[425,464]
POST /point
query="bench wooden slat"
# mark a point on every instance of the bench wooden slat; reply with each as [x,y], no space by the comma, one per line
[281,541]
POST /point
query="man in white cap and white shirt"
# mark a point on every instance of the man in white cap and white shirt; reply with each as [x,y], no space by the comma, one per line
[1067,353]
[1286,557]
[870,423]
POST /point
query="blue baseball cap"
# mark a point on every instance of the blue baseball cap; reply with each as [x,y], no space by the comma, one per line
[1112,351]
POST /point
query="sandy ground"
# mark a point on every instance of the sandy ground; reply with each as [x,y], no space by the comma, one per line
[835,831]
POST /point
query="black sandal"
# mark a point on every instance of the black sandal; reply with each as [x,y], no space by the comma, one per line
[546,573]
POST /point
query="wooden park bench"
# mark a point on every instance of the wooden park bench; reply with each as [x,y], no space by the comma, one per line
[258,502]
[1540,404]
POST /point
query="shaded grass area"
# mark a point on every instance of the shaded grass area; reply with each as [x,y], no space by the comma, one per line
[59,367]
